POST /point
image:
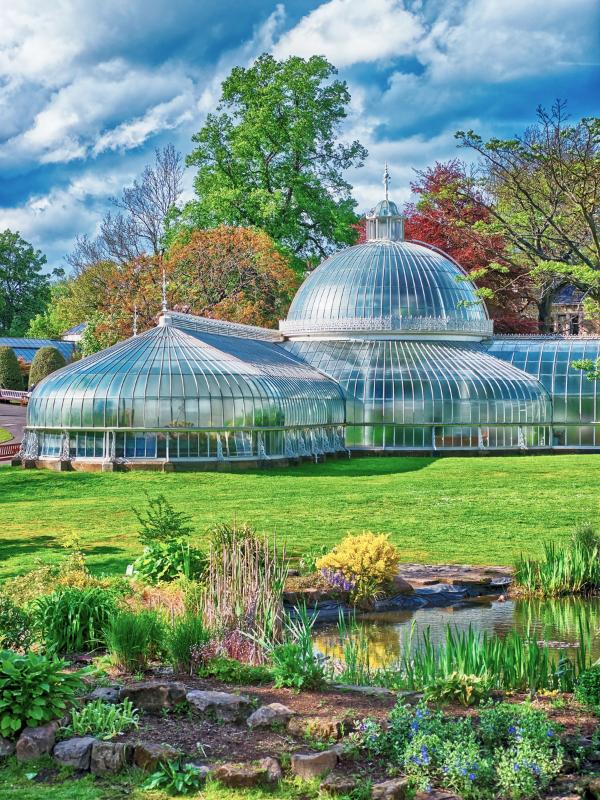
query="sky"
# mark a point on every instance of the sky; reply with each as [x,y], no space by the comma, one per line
[89,89]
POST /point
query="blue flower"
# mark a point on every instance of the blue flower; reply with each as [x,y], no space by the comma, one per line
[549,732]
[512,729]
[516,767]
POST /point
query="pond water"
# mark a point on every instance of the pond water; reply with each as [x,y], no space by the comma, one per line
[557,622]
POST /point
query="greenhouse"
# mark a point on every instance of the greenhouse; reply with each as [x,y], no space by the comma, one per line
[386,348]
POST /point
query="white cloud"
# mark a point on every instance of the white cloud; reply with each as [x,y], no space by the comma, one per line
[353,31]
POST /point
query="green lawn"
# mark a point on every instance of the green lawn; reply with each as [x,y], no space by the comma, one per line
[461,510]
[5,435]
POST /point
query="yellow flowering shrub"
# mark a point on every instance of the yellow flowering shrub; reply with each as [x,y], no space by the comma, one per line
[362,565]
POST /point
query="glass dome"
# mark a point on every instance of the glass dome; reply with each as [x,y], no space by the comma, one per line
[412,394]
[386,286]
[170,381]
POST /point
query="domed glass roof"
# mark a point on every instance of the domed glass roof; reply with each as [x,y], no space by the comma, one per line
[385,208]
[168,378]
[387,286]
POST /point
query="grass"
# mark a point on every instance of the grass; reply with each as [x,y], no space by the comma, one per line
[448,510]
[5,436]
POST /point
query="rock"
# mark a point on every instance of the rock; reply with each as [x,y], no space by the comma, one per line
[223,706]
[400,586]
[367,691]
[314,765]
[7,748]
[154,695]
[323,728]
[436,794]
[409,698]
[270,715]
[338,784]
[395,789]
[592,790]
[110,757]
[241,776]
[273,767]
[108,694]
[147,755]
[36,742]
[74,752]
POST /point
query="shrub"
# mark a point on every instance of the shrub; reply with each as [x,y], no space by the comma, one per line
[364,564]
[168,561]
[15,626]
[467,690]
[46,361]
[294,662]
[185,641]
[10,372]
[526,768]
[34,689]
[587,689]
[134,639]
[102,720]
[73,620]
[228,670]
[161,523]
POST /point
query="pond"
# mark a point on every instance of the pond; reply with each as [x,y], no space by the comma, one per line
[557,622]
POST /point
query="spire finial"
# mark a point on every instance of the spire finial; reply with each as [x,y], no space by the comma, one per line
[135,320]
[386,181]
[164,292]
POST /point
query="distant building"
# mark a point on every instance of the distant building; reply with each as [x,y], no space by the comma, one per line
[26,349]
[568,318]
[75,333]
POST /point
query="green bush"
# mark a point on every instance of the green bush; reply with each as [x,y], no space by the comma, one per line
[295,664]
[468,690]
[185,641]
[228,670]
[73,620]
[175,777]
[587,689]
[34,689]
[46,361]
[10,372]
[15,626]
[134,639]
[161,523]
[102,720]
[168,561]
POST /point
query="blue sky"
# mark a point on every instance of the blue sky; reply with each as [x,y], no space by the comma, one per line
[88,89]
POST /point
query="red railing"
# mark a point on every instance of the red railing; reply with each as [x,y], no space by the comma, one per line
[9,450]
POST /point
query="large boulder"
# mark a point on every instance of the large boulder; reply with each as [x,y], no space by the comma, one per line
[108,694]
[147,755]
[222,706]
[270,716]
[242,776]
[395,789]
[154,695]
[322,728]
[36,742]
[338,785]
[74,752]
[314,765]
[110,757]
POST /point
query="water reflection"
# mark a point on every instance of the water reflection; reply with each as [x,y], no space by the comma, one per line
[560,622]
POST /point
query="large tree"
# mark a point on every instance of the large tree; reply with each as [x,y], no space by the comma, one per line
[270,157]
[542,191]
[137,226]
[460,226]
[24,289]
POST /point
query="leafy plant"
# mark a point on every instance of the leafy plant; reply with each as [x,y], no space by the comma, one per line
[187,636]
[587,689]
[364,564]
[175,777]
[46,361]
[15,626]
[133,639]
[295,664]
[169,560]
[308,559]
[228,670]
[161,523]
[73,620]
[468,690]
[223,537]
[526,768]
[34,689]
[102,720]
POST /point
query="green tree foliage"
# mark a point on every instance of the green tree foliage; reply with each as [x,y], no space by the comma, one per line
[46,360]
[50,323]
[10,373]
[24,291]
[270,157]
[542,191]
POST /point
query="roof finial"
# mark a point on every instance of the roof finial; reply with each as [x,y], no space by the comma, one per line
[386,181]
[135,319]
[164,292]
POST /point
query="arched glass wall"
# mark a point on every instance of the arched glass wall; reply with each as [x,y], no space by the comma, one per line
[169,394]
[575,398]
[420,395]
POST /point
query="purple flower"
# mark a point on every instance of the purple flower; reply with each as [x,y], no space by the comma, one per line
[472,776]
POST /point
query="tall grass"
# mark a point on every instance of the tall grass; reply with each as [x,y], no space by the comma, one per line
[572,569]
[185,640]
[73,620]
[135,639]
[510,663]
[244,590]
